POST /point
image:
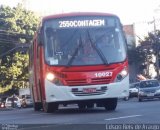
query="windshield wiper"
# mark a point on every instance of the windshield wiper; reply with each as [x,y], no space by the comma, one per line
[100,53]
[75,53]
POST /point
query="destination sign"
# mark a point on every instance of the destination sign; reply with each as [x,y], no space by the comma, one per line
[82,23]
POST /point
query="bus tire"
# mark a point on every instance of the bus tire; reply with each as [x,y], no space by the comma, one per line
[50,107]
[110,104]
[37,106]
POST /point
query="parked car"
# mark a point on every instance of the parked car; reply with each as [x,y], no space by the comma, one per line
[26,101]
[148,89]
[13,101]
[126,98]
[133,90]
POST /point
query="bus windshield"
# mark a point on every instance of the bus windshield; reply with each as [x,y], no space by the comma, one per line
[90,40]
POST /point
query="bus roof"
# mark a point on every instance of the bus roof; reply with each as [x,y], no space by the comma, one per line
[77,14]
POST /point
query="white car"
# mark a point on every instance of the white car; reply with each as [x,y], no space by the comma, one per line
[27,101]
[133,90]
[13,101]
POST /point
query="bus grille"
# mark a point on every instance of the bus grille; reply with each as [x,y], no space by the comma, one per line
[93,81]
[97,92]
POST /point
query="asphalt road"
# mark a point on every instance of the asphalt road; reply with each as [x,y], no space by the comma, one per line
[127,112]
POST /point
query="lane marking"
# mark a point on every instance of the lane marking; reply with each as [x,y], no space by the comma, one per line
[122,117]
[24,116]
[43,126]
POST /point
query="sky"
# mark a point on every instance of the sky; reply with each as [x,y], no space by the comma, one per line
[129,11]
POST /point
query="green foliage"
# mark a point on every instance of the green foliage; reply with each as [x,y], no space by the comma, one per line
[20,23]
[149,46]
[17,26]
[14,70]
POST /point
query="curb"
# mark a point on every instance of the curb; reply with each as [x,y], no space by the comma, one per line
[6,109]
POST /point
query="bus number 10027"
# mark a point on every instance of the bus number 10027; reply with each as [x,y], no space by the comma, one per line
[103,74]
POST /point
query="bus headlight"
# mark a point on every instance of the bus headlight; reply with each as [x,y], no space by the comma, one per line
[50,76]
[122,75]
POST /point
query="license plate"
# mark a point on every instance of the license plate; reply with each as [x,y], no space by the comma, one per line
[89,90]
[150,94]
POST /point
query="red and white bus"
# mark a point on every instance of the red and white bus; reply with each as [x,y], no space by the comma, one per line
[79,58]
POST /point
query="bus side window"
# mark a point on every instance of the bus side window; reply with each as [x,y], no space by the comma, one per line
[52,42]
[37,51]
[31,54]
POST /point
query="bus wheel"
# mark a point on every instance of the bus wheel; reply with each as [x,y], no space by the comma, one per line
[110,104]
[37,106]
[50,107]
[81,106]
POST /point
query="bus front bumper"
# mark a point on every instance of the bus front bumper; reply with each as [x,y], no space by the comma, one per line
[56,93]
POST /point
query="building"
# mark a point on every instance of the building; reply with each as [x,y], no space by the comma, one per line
[131,42]
[130,35]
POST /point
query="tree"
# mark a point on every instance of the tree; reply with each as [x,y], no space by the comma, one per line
[17,26]
[149,48]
